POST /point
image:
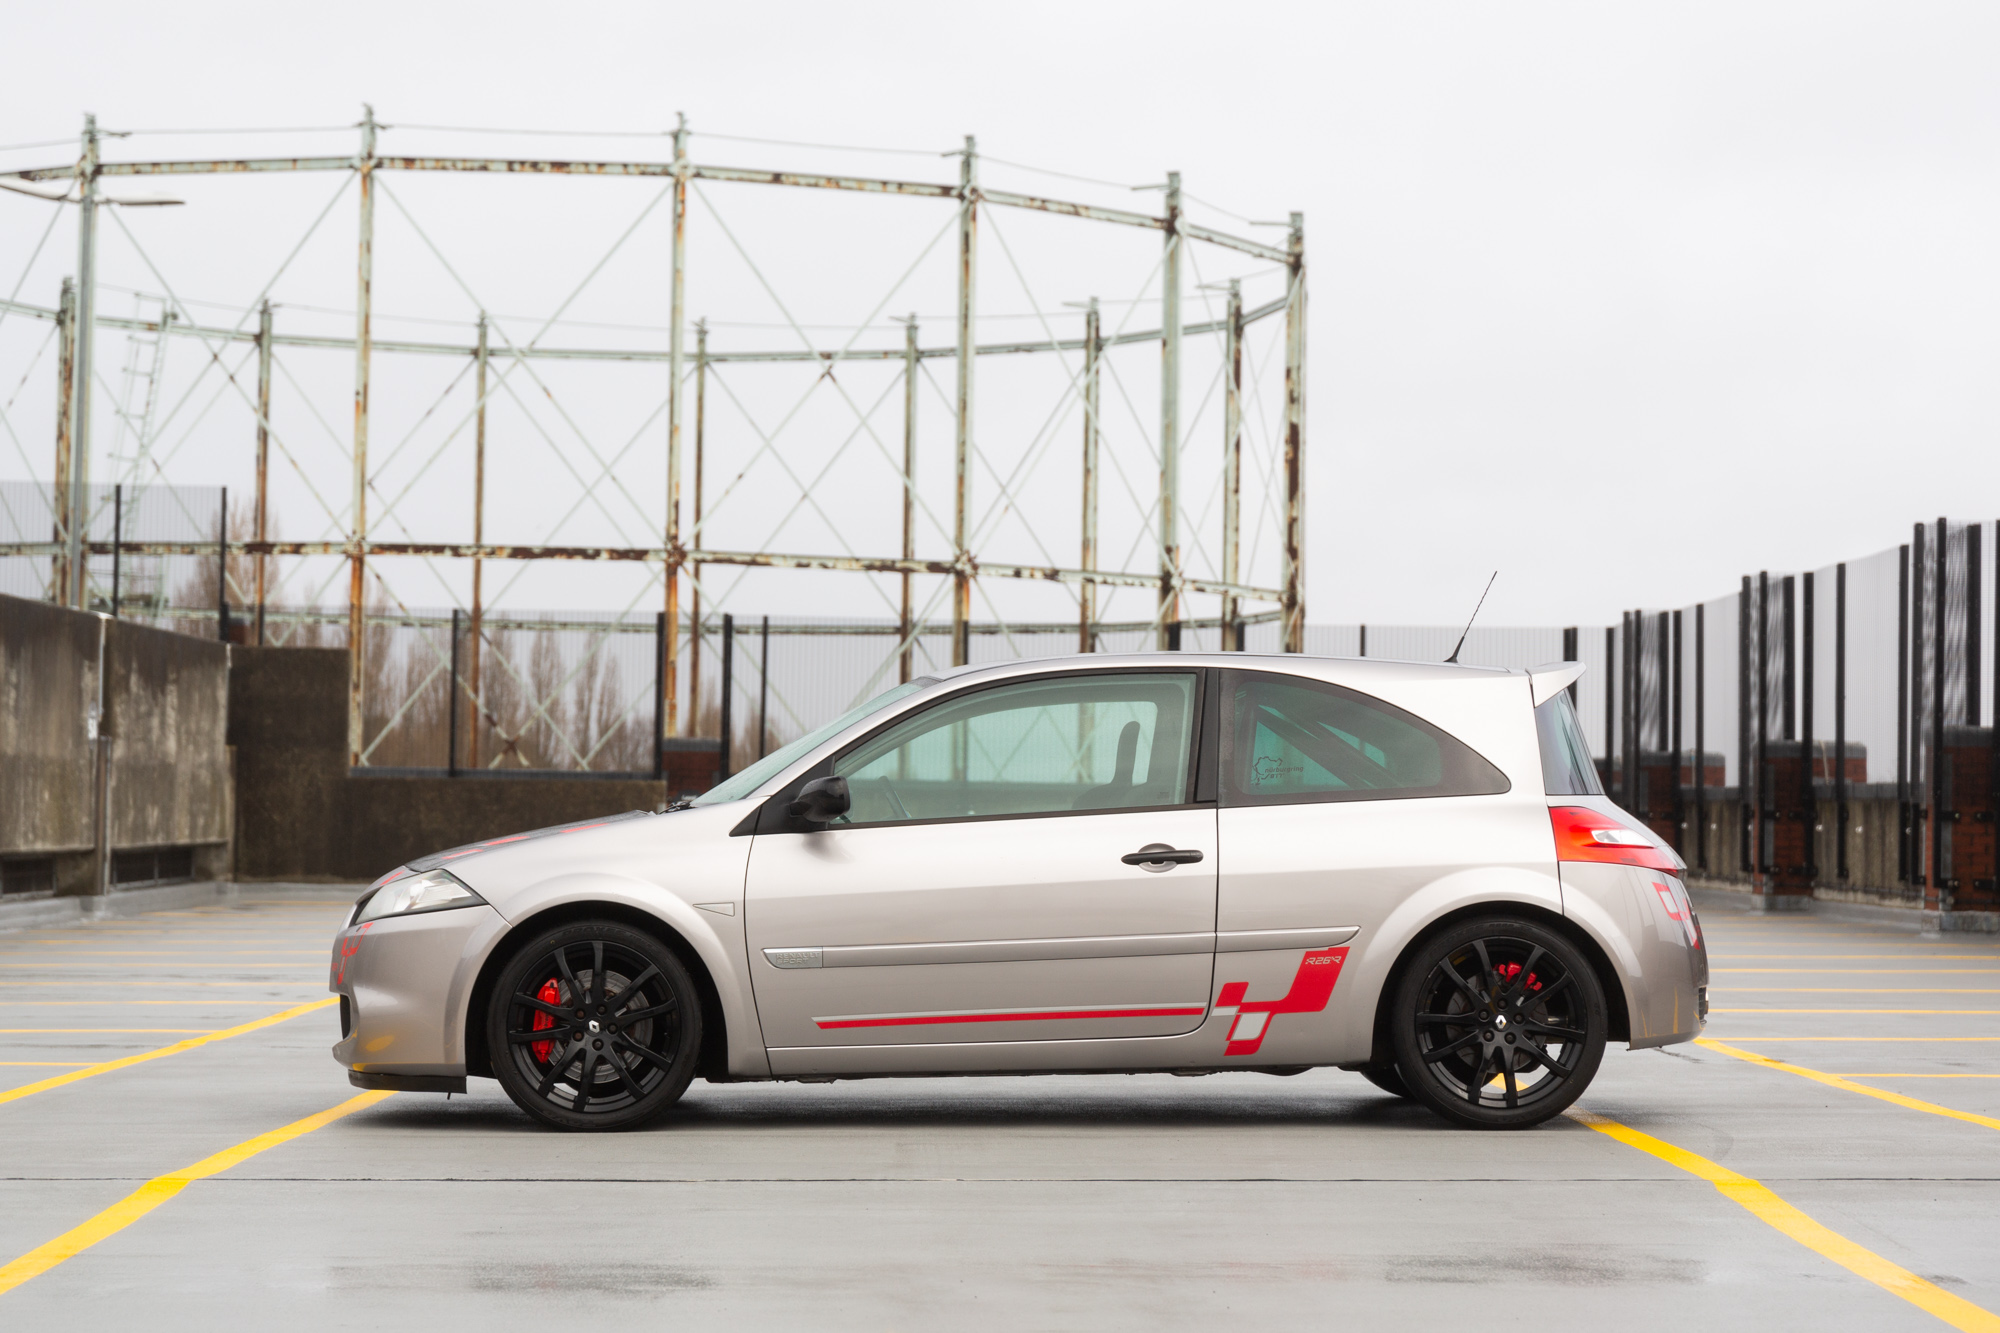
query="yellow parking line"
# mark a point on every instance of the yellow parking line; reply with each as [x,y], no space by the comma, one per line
[14,1094]
[161,1188]
[113,1004]
[1923,1075]
[1836,1081]
[1777,1038]
[1712,1011]
[1761,1203]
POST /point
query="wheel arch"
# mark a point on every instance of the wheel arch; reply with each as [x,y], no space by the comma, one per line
[1617,1015]
[712,1063]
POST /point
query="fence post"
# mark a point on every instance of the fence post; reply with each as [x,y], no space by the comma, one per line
[1903,714]
[728,693]
[1701,734]
[764,688]
[1745,756]
[1761,847]
[1840,720]
[117,542]
[222,568]
[1809,811]
[451,695]
[1937,896]
[659,692]
[1679,754]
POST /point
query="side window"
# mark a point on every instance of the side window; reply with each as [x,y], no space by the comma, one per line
[1072,743]
[1285,739]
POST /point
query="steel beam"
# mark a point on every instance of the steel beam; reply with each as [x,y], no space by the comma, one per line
[61,503]
[85,369]
[1232,453]
[907,662]
[1294,557]
[473,687]
[260,521]
[357,647]
[1087,553]
[677,307]
[1170,420]
[700,514]
[968,273]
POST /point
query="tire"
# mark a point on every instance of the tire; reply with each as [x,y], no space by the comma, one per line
[1498,1023]
[1386,1078]
[576,1057]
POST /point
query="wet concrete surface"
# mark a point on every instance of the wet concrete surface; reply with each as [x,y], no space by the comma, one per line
[1104,1201]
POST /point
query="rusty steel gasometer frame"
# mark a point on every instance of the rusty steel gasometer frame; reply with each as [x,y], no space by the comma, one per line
[681,550]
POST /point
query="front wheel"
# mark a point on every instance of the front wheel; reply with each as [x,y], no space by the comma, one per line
[1499,1023]
[594,1025]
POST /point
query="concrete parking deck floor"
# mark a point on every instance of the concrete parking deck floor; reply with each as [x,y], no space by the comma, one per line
[1039,1203]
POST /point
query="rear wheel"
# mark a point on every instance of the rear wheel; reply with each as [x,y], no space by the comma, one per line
[1499,1023]
[594,1025]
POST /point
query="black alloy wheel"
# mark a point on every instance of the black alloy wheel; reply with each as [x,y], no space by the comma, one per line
[594,1025]
[1499,1023]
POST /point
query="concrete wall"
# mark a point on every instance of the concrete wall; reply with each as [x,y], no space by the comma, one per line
[300,815]
[165,699]
[48,685]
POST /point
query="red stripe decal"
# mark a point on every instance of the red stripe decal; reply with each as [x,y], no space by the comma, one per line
[1312,987]
[917,1020]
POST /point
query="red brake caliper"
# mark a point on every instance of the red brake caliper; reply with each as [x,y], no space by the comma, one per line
[1508,971]
[550,994]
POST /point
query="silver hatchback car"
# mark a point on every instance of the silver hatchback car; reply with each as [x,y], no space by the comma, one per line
[1183,863]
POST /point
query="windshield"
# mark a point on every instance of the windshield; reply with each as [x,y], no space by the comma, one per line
[755,776]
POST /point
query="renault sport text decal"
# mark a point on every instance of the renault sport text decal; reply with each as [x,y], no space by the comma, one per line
[1312,987]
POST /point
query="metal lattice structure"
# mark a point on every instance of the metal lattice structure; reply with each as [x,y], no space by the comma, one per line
[1197,574]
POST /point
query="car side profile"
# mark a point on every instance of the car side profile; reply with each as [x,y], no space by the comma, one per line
[1191,863]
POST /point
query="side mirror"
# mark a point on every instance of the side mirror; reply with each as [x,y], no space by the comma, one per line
[821,801]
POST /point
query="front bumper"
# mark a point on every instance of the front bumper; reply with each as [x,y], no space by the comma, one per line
[406,982]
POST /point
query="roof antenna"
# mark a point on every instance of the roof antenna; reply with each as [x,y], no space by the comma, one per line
[1468,624]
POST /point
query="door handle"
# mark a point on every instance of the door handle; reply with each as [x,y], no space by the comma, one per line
[1157,856]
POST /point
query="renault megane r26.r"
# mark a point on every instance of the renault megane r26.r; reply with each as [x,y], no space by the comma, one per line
[1164,862]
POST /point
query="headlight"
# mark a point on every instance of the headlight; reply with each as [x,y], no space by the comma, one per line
[432,891]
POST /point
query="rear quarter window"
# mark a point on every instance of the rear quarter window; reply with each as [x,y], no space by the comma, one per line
[1567,768]
[1287,739]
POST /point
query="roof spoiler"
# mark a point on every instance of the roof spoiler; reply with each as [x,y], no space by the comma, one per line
[1549,677]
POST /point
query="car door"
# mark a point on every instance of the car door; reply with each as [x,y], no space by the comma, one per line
[1000,876]
[1336,807]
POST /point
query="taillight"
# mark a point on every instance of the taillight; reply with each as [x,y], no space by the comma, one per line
[1583,834]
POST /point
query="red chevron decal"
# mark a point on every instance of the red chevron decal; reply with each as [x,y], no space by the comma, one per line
[1312,988]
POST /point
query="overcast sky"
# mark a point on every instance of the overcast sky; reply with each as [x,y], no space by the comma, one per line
[1623,300]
